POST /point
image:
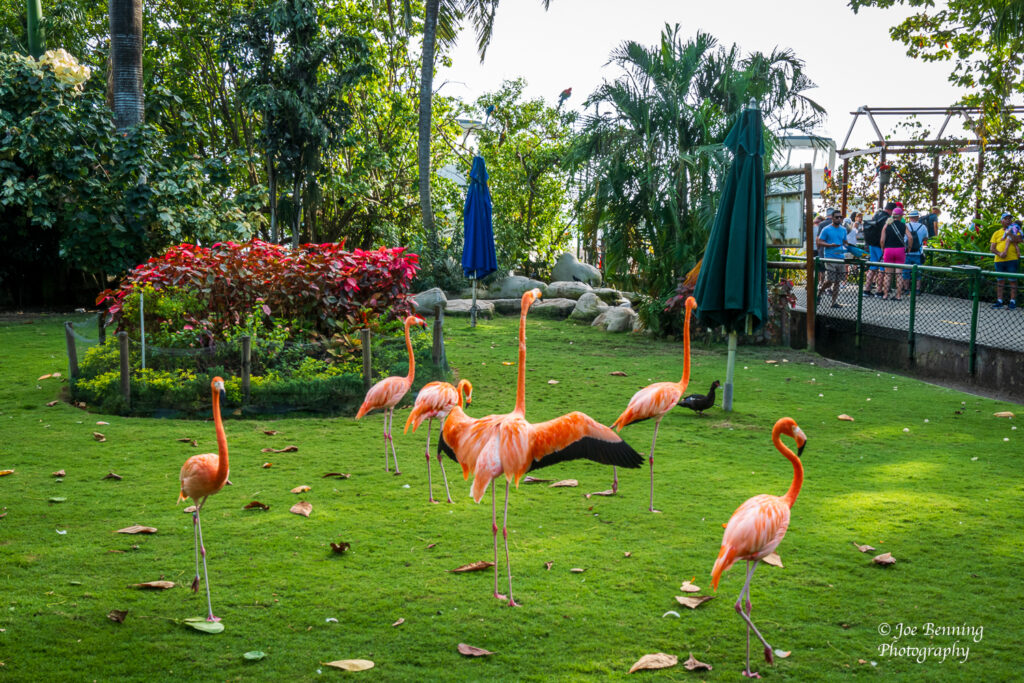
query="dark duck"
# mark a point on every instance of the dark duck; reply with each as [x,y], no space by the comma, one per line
[699,402]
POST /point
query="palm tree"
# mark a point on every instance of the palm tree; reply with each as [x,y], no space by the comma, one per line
[33,19]
[126,62]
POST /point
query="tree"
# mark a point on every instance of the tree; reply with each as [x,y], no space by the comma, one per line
[33,29]
[126,94]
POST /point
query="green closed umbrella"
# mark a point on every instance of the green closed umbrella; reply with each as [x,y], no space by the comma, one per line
[732,285]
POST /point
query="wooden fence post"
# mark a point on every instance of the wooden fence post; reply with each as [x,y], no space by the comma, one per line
[438,354]
[126,378]
[246,365]
[69,336]
[367,364]
[102,329]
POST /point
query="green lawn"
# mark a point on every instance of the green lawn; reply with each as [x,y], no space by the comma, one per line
[943,498]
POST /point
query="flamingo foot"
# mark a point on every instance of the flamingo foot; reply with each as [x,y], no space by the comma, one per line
[210,617]
[747,673]
[450,501]
[768,656]
[513,603]
[195,584]
[397,473]
[431,500]
[653,510]
[499,596]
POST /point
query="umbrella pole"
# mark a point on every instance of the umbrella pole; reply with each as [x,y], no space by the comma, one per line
[729,369]
[472,309]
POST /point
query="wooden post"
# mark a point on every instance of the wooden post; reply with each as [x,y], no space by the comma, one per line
[102,329]
[812,282]
[246,364]
[437,353]
[367,365]
[846,185]
[935,180]
[881,182]
[126,378]
[69,336]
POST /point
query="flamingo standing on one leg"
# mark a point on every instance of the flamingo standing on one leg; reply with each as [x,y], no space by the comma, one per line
[436,400]
[756,529]
[202,476]
[508,444]
[386,394]
[656,400]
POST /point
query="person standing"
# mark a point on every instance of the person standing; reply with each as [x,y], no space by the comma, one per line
[1006,247]
[931,221]
[917,236]
[851,239]
[832,244]
[872,236]
[894,248]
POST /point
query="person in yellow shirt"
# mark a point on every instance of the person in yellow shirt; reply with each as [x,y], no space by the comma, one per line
[1005,244]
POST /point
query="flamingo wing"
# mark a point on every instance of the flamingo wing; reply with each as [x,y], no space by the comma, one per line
[384,394]
[198,477]
[754,531]
[433,400]
[574,436]
[653,400]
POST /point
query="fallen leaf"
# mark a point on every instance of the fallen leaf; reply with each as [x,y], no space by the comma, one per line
[301,508]
[111,475]
[672,612]
[2,515]
[658,660]
[117,615]
[201,624]
[99,437]
[782,653]
[56,375]
[845,418]
[81,404]
[60,473]
[627,554]
[254,655]
[137,529]
[4,473]
[101,422]
[52,404]
[884,559]
[300,489]
[256,505]
[771,362]
[552,381]
[286,449]
[189,441]
[351,664]
[505,362]
[190,508]
[688,587]
[57,499]
[607,492]
[862,661]
[471,651]
[693,665]
[430,545]
[400,621]
[340,547]
[618,373]
[270,432]
[564,482]
[339,475]
[161,585]
[773,559]
[40,379]
[474,567]
[267,465]
[533,480]
[1003,413]
[548,565]
[862,548]
[577,570]
[693,602]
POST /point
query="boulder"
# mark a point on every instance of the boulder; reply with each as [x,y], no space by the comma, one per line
[608,295]
[567,290]
[616,319]
[460,307]
[425,302]
[467,292]
[588,307]
[631,297]
[514,286]
[552,308]
[569,269]
[507,306]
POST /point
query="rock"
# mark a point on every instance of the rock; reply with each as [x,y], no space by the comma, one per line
[425,302]
[569,269]
[552,308]
[631,297]
[566,290]
[467,292]
[460,307]
[514,286]
[607,295]
[616,319]
[507,306]
[587,308]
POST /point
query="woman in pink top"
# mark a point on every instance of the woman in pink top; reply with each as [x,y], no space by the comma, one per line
[894,247]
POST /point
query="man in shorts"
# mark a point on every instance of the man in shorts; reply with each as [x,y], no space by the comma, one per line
[832,245]
[914,256]
[1006,247]
[872,232]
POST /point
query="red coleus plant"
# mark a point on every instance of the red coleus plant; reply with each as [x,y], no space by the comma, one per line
[320,283]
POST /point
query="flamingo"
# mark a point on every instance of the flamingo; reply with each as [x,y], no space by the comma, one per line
[386,394]
[202,476]
[507,444]
[436,400]
[656,400]
[756,529]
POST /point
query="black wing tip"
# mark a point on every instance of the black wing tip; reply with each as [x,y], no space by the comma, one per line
[443,447]
[617,453]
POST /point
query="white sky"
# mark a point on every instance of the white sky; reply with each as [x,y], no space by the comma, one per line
[849,56]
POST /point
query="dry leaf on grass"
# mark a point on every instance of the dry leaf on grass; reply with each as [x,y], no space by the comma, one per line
[884,559]
[117,615]
[99,437]
[52,404]
[773,559]
[534,480]
[270,432]
[618,373]
[694,665]
[111,475]
[1003,413]
[400,621]
[300,489]
[607,492]
[547,565]
[627,554]
[339,475]
[351,664]
[4,473]
[506,362]
[471,651]
[161,585]
[846,418]
[577,570]
[60,473]
[782,654]
[430,545]
[40,379]
[267,465]
[340,547]
[256,505]
[688,587]
[771,362]
[137,529]
[564,482]
[693,602]
[862,548]
[301,508]
[190,508]
[286,449]
[474,567]
[552,381]
[658,660]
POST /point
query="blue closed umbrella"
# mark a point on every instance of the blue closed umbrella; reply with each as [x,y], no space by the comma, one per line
[478,259]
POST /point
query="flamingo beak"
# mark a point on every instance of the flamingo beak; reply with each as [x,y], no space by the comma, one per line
[801,441]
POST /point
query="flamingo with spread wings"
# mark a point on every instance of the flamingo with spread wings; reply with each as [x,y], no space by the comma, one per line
[386,394]
[508,445]
[656,400]
[437,399]
[757,528]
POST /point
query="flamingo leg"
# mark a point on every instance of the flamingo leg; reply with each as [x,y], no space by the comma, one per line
[448,493]
[650,459]
[391,440]
[747,606]
[615,479]
[386,460]
[206,573]
[494,532]
[195,535]
[508,565]
[750,625]
[430,482]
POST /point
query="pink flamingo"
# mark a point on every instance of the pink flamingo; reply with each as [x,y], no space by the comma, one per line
[436,400]
[202,476]
[509,445]
[656,400]
[386,394]
[757,528]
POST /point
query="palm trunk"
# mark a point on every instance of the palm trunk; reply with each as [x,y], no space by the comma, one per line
[297,216]
[36,37]
[126,62]
[423,149]
[272,183]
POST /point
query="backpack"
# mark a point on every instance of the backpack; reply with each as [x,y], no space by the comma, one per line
[915,245]
[930,222]
[873,228]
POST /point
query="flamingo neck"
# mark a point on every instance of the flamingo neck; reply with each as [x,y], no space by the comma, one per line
[412,359]
[798,468]
[686,351]
[461,390]
[222,442]
[521,378]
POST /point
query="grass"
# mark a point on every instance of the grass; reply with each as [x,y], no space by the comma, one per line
[943,498]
